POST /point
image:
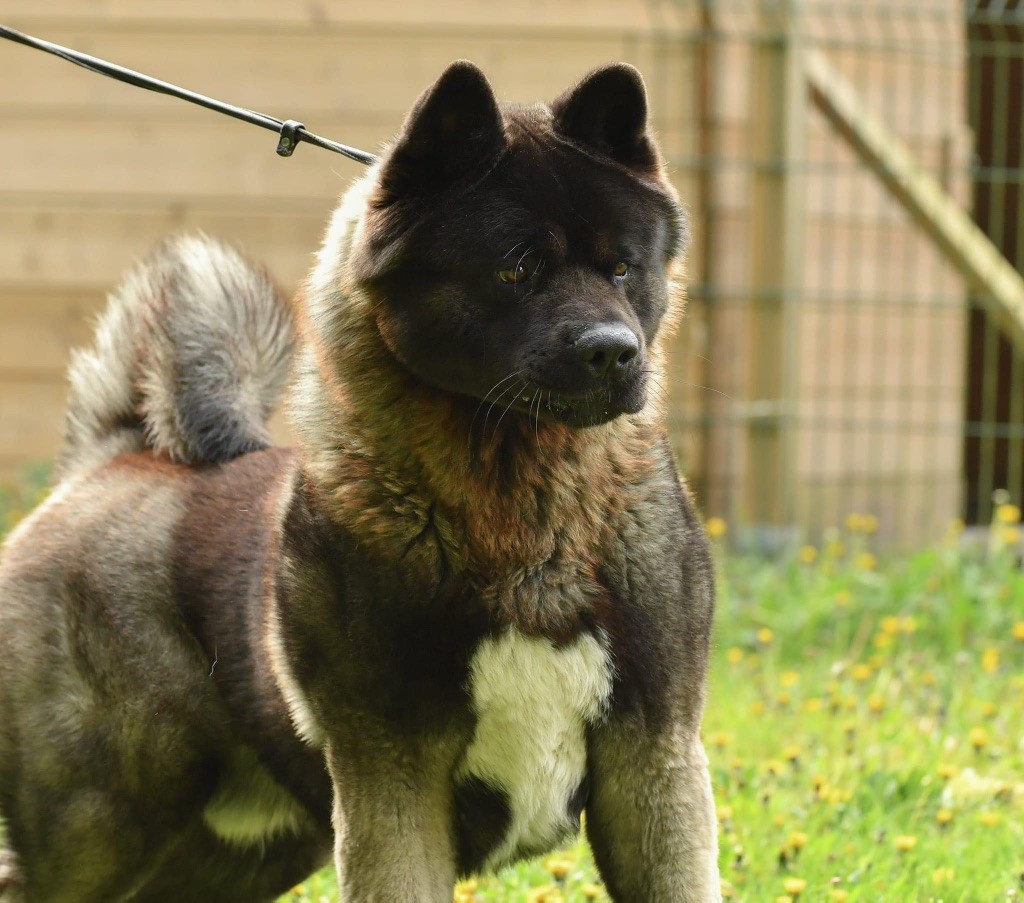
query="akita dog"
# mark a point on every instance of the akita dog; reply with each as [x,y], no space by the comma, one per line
[473,603]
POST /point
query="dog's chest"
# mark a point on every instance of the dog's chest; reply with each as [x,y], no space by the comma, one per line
[522,781]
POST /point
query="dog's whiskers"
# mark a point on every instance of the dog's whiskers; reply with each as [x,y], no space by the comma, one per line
[508,407]
[536,429]
[483,401]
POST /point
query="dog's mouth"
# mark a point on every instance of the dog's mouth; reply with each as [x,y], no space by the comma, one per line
[592,408]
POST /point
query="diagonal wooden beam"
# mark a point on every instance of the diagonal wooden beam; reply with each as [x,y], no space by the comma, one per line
[999,285]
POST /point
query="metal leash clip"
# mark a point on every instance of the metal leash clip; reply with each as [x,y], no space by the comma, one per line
[289,139]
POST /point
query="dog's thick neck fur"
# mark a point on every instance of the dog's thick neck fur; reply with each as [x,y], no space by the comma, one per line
[397,461]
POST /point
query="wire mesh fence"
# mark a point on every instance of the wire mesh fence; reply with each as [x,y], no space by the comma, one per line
[853,342]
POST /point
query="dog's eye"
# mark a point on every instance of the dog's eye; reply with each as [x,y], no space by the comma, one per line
[511,275]
[621,269]
[522,270]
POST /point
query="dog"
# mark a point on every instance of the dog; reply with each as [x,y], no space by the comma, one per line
[471,604]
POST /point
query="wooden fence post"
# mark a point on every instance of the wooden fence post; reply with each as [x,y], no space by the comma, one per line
[778,105]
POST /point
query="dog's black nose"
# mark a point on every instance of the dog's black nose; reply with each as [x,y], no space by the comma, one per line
[607,349]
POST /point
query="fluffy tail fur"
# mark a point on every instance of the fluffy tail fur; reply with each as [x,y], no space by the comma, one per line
[189,360]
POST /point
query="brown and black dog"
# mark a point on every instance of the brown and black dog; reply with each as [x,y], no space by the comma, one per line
[473,603]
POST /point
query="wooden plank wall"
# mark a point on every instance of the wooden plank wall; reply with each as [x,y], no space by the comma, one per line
[94,172]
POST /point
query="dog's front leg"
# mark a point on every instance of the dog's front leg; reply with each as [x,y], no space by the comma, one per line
[651,816]
[393,840]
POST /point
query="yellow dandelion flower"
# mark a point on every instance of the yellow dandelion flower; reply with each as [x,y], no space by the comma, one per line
[469,886]
[944,816]
[843,598]
[798,840]
[835,549]
[943,875]
[765,636]
[869,523]
[928,679]
[861,672]
[757,707]
[808,554]
[792,753]
[725,813]
[866,561]
[1018,631]
[989,709]
[592,891]
[819,781]
[891,624]
[794,886]
[559,867]
[989,818]
[789,678]
[783,698]
[946,770]
[727,889]
[812,705]
[876,703]
[990,660]
[736,764]
[721,739]
[546,893]
[773,766]
[716,527]
[882,640]
[978,737]
[1008,514]
[839,895]
[784,898]
[1010,536]
[853,523]
[778,820]
[905,842]
[734,656]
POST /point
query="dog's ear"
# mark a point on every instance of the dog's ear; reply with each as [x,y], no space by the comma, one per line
[607,112]
[454,130]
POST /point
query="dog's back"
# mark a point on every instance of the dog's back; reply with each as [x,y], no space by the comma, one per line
[108,668]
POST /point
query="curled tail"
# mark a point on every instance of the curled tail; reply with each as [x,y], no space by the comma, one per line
[189,359]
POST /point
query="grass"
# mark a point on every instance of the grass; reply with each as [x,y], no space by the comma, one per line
[865,727]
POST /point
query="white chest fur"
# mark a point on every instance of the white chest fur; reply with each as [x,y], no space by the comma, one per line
[533,701]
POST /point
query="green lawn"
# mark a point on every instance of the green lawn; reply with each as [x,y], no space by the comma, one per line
[865,727]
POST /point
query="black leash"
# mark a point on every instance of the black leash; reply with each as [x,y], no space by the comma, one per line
[290,133]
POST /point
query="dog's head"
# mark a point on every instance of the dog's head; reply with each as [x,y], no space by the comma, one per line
[521,255]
